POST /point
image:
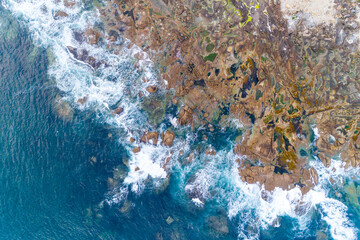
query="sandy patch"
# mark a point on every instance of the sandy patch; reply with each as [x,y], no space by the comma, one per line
[321,11]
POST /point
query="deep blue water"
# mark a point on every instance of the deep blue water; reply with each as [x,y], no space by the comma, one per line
[50,188]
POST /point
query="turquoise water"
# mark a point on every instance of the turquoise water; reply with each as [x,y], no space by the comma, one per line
[51,187]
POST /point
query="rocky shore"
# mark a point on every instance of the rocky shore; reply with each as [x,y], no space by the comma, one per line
[287,71]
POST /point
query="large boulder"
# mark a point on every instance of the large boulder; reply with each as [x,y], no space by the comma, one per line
[185,116]
[168,138]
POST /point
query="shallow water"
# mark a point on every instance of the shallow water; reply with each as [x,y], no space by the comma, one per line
[54,171]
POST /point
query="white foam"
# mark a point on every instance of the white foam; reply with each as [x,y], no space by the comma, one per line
[197,202]
[260,209]
[144,164]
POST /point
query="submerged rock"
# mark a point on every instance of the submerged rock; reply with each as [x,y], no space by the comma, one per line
[219,224]
[63,109]
[169,220]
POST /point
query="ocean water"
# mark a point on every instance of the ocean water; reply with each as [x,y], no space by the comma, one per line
[67,170]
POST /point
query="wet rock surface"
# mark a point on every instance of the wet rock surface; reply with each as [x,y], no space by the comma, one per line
[289,74]
[168,138]
[150,137]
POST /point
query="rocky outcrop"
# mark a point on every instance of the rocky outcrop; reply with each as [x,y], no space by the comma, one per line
[150,137]
[271,177]
[246,62]
[60,14]
[69,3]
[83,55]
[168,138]
[91,36]
[152,89]
[185,116]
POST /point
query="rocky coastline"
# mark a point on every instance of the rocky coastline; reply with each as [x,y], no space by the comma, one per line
[289,75]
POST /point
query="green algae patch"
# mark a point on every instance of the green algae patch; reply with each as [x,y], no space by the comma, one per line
[267,119]
[211,57]
[155,107]
[9,28]
[50,56]
[259,94]
[205,33]
[210,47]
[352,196]
[33,55]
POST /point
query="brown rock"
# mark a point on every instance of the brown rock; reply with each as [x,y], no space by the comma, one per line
[325,160]
[60,14]
[132,140]
[166,162]
[185,116]
[168,138]
[206,115]
[119,110]
[314,175]
[210,152]
[136,150]
[152,89]
[69,3]
[191,157]
[112,38]
[150,136]
[91,36]
[174,101]
[137,169]
[82,100]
